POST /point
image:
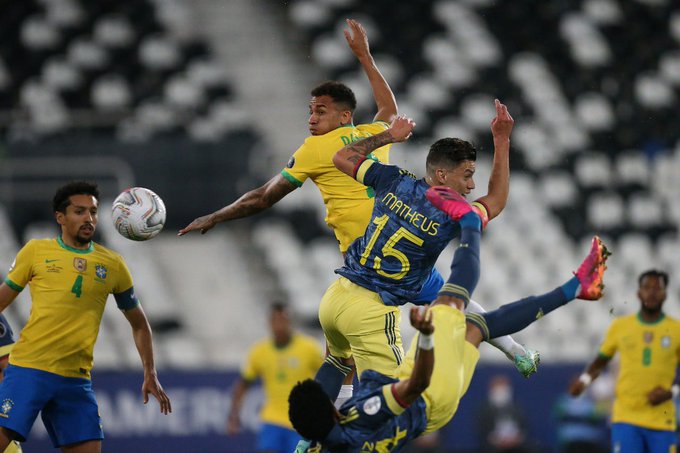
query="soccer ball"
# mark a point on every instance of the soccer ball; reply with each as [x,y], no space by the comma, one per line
[138,214]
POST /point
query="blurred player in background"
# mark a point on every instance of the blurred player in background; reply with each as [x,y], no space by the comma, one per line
[643,418]
[280,362]
[348,203]
[386,412]
[70,278]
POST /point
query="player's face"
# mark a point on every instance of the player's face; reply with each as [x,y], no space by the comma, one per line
[652,294]
[80,221]
[325,115]
[459,178]
[281,325]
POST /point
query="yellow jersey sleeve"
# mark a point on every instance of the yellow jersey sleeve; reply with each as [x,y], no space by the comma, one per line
[124,280]
[21,271]
[303,164]
[251,370]
[609,344]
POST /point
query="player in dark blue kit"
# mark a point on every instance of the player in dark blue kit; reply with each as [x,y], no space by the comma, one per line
[393,262]
[385,412]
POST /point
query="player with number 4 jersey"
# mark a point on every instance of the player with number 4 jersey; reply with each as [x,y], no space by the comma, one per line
[70,278]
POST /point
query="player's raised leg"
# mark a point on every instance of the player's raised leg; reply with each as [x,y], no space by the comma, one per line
[525,360]
[587,284]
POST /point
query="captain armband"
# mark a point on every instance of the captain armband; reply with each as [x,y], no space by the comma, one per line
[479,208]
[126,300]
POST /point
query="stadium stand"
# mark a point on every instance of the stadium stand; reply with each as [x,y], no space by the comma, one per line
[595,147]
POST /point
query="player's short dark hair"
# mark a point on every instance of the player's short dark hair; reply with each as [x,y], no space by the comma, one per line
[450,152]
[62,199]
[339,92]
[310,410]
[278,307]
[654,273]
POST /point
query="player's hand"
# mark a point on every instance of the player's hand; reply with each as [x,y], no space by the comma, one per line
[501,125]
[357,39]
[401,128]
[204,224]
[659,395]
[151,385]
[576,387]
[233,424]
[421,319]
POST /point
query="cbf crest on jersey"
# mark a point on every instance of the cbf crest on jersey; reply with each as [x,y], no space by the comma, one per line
[666,341]
[7,406]
[101,271]
[80,264]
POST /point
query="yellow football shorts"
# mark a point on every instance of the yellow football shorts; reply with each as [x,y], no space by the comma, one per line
[357,324]
[454,364]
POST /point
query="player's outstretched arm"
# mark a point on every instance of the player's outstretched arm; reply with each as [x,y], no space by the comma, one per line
[591,373]
[499,182]
[257,200]
[141,332]
[238,393]
[7,295]
[348,157]
[408,390]
[382,93]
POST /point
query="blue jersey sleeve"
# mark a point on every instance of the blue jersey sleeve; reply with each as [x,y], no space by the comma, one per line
[430,288]
[127,299]
[374,174]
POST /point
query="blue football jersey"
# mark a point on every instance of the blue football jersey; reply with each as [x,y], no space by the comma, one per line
[397,253]
[372,420]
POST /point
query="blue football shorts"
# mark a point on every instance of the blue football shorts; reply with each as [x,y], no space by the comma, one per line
[277,438]
[627,438]
[69,408]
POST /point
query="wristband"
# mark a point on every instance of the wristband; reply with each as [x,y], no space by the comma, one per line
[585,379]
[426,342]
[675,390]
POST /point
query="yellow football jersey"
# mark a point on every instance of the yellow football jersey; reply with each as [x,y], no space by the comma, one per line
[348,203]
[650,354]
[280,369]
[69,288]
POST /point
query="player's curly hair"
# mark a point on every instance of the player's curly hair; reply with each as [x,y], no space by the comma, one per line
[654,273]
[339,92]
[310,410]
[62,199]
[450,152]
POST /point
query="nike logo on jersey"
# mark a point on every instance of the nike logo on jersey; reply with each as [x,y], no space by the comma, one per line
[50,261]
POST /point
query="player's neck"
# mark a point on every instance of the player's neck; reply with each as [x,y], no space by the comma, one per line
[74,243]
[650,316]
[283,341]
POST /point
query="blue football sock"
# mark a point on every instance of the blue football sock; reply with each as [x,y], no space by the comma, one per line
[465,265]
[515,316]
[330,376]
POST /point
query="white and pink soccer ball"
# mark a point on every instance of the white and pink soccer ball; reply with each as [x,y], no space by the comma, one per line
[138,214]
